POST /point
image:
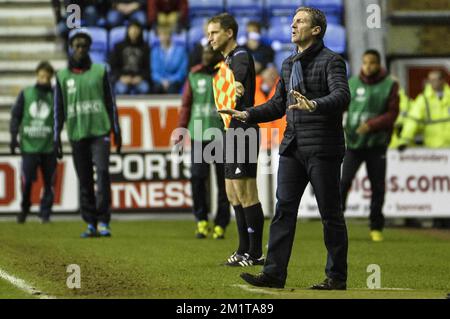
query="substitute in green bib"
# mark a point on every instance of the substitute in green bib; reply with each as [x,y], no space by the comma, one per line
[85,102]
[198,114]
[32,122]
[372,112]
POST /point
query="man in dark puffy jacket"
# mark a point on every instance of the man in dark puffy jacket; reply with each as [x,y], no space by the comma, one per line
[313,92]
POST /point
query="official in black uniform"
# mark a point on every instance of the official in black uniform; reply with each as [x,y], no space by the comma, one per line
[241,145]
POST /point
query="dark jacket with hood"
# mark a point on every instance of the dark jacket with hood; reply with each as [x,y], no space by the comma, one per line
[129,58]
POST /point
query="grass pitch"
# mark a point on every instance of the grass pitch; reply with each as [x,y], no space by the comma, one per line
[163,259]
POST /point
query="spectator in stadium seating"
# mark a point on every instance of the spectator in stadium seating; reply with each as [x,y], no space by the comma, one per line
[32,120]
[84,99]
[266,84]
[373,109]
[198,106]
[130,63]
[262,54]
[169,13]
[429,114]
[123,10]
[169,64]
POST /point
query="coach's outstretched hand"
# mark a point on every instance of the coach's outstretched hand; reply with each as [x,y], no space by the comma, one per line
[302,102]
[238,115]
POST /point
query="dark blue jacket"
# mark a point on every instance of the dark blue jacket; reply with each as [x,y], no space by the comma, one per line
[325,80]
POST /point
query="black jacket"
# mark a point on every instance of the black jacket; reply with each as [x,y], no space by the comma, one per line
[129,58]
[325,79]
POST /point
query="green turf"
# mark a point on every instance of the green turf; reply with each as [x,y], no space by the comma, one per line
[162,259]
[7,290]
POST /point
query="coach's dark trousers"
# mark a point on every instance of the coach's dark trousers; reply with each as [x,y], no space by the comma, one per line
[199,181]
[375,159]
[87,153]
[294,172]
[30,164]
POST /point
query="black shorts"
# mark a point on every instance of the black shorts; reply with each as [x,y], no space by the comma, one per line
[241,149]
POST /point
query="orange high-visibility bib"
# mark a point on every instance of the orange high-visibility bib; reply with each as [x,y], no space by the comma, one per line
[224,91]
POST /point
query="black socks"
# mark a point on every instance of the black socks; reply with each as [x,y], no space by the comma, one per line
[255,222]
[244,243]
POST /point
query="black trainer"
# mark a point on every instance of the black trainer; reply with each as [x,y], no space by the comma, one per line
[261,280]
[249,261]
[234,259]
[22,217]
[330,284]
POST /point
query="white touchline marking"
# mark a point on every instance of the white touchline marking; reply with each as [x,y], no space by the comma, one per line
[263,291]
[381,289]
[22,285]
[257,290]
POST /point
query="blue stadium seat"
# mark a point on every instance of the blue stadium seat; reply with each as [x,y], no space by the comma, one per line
[334,18]
[252,8]
[198,21]
[194,36]
[333,9]
[335,38]
[205,7]
[282,7]
[116,35]
[281,33]
[281,55]
[326,5]
[280,20]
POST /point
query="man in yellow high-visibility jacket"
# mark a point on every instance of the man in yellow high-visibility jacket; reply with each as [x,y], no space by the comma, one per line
[430,114]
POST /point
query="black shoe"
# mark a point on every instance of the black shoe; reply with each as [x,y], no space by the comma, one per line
[234,259]
[330,284]
[261,280]
[21,218]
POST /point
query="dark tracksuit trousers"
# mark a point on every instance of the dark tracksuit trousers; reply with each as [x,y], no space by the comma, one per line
[199,180]
[87,153]
[30,164]
[294,172]
[375,159]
